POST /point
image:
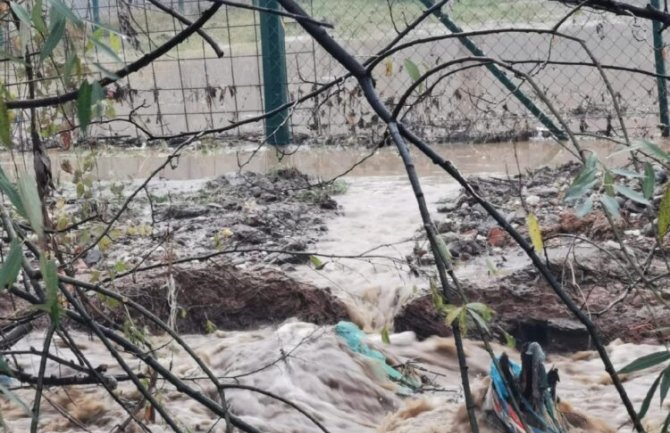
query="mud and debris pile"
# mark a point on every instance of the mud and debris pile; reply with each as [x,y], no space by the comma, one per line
[278,211]
[528,309]
[249,218]
[208,297]
[469,231]
[583,253]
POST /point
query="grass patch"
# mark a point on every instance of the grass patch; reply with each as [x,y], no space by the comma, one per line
[353,19]
[322,193]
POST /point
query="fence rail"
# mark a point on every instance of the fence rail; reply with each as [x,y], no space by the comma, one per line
[191,88]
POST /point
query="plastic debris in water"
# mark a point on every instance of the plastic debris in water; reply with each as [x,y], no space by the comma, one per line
[353,336]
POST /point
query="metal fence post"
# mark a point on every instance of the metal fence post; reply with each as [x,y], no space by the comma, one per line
[95,5]
[498,73]
[660,70]
[274,73]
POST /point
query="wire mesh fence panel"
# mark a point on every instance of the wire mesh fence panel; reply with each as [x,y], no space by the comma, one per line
[191,88]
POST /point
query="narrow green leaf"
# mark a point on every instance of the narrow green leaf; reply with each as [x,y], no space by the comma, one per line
[577,190]
[32,203]
[646,362]
[585,207]
[633,195]
[647,400]
[664,213]
[84,105]
[510,341]
[463,321]
[317,263]
[438,302]
[482,309]
[37,18]
[107,50]
[626,173]
[209,327]
[50,277]
[453,313]
[5,126]
[412,70]
[385,336]
[625,149]
[97,34]
[479,319]
[608,182]
[611,205]
[444,253]
[25,25]
[65,11]
[10,191]
[12,265]
[654,150]
[22,13]
[56,34]
[649,181]
[115,43]
[535,233]
[584,181]
[665,384]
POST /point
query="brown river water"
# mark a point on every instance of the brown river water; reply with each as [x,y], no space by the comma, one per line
[345,391]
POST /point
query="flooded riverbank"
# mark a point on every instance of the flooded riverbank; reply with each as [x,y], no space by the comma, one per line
[363,254]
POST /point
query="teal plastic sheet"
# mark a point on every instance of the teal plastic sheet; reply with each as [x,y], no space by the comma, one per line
[353,336]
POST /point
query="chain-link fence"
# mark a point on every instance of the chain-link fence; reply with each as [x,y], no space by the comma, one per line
[190,88]
[473,103]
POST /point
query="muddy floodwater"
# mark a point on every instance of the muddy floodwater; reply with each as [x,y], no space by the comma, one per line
[377,215]
[324,162]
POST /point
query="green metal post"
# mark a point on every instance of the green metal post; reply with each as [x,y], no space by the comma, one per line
[95,5]
[661,83]
[274,74]
[498,73]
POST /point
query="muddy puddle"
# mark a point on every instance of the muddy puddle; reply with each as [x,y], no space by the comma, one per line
[310,364]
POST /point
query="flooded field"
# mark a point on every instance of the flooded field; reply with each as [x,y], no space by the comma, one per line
[324,162]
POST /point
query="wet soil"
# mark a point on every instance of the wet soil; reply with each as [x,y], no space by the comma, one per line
[248,217]
[213,296]
[582,252]
[528,309]
[469,230]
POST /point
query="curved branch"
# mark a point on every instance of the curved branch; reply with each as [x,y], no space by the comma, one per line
[140,63]
[271,11]
[204,35]
[619,8]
